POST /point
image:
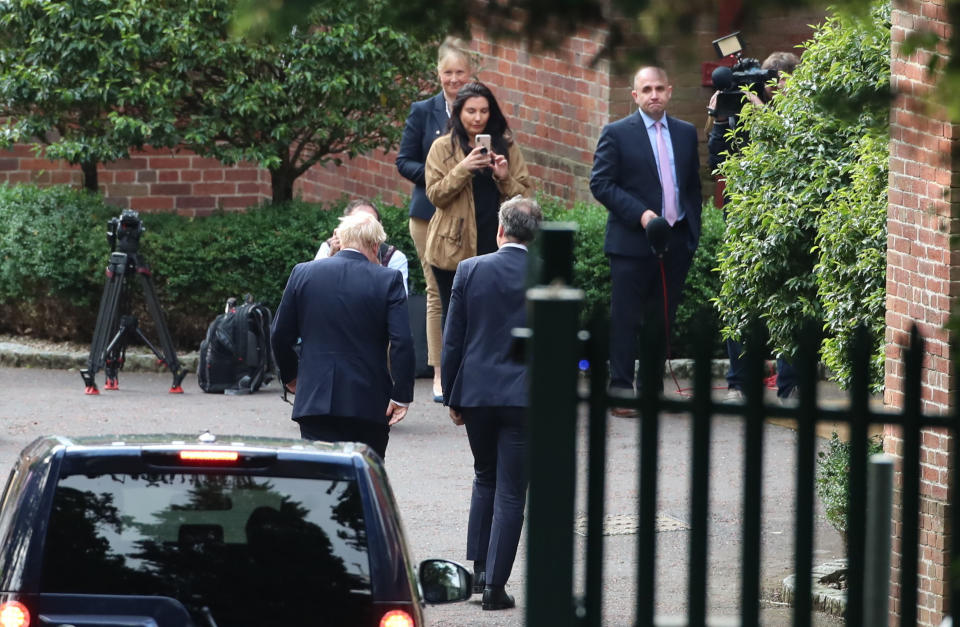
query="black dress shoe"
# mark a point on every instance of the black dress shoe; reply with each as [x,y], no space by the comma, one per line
[479,581]
[496,598]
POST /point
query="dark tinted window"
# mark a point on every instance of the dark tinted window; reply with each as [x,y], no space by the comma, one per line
[252,550]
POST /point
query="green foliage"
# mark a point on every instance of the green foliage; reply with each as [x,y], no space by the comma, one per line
[833,478]
[851,273]
[702,286]
[93,78]
[338,86]
[591,269]
[49,239]
[780,258]
[55,251]
[52,258]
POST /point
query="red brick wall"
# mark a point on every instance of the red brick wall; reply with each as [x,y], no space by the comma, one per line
[555,101]
[922,282]
[151,180]
[555,104]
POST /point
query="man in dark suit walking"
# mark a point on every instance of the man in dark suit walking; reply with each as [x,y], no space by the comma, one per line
[646,166]
[487,391]
[349,312]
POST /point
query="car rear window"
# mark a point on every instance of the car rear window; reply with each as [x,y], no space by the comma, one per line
[247,550]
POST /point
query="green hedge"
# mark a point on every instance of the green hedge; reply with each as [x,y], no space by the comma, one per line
[833,478]
[592,271]
[55,251]
[806,237]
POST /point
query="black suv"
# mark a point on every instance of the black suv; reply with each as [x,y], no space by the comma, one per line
[156,531]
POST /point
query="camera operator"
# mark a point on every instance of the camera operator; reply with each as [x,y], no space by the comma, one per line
[718,141]
[720,145]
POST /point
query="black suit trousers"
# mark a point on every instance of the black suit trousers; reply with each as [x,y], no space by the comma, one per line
[346,429]
[636,297]
[498,440]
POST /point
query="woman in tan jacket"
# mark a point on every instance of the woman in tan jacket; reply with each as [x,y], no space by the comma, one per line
[467,181]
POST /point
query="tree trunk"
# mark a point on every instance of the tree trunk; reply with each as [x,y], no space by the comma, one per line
[90,182]
[281,182]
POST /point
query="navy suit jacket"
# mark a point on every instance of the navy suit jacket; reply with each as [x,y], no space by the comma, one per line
[349,312]
[625,180]
[426,122]
[486,302]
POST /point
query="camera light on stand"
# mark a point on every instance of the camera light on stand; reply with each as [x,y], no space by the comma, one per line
[728,45]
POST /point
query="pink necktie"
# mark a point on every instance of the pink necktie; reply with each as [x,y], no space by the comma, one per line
[666,177]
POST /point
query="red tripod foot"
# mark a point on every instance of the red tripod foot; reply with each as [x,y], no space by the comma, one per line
[91,389]
[176,390]
[111,384]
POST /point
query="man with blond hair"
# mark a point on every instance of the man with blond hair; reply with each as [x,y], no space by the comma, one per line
[349,314]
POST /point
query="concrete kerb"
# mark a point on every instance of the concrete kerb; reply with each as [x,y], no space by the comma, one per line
[22,356]
[826,598]
[17,355]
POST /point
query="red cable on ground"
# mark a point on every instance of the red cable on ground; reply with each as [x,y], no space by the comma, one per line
[666,328]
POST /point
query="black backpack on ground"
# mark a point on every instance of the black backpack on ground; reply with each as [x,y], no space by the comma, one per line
[236,357]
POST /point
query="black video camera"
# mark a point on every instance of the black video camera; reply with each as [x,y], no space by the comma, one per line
[730,81]
[123,233]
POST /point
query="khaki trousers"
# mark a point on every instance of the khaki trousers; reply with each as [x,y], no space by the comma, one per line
[418,231]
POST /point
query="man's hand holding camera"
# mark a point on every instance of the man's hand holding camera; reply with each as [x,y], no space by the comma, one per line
[752,98]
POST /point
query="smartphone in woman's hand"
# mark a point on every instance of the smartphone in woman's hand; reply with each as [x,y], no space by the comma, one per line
[483,140]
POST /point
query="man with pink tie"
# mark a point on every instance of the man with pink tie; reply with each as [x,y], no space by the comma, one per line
[645,166]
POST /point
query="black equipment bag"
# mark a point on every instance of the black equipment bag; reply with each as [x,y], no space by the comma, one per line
[236,357]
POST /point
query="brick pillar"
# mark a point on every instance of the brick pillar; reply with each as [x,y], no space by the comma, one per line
[923,268]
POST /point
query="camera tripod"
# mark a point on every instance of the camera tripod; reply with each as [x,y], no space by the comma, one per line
[115,325]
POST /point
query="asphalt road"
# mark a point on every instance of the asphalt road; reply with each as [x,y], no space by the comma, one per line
[430,469]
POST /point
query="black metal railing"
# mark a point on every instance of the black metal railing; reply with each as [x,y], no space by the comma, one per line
[556,346]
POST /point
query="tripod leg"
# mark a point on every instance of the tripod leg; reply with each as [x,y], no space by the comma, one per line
[116,352]
[106,320]
[153,306]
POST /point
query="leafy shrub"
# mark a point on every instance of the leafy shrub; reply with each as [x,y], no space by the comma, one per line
[799,193]
[53,247]
[833,478]
[702,286]
[851,274]
[591,269]
[55,252]
[197,263]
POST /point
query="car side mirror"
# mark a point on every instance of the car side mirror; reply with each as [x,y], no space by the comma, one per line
[445,581]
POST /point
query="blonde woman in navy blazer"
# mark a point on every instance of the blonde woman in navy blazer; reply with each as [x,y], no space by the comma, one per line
[428,121]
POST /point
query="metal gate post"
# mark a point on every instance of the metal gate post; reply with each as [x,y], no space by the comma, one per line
[553,351]
[876,567]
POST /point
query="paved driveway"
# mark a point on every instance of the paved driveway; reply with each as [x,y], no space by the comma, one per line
[429,464]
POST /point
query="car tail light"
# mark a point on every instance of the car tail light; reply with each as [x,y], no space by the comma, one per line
[209,456]
[397,618]
[15,614]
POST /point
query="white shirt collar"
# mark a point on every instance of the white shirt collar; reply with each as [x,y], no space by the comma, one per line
[648,121]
